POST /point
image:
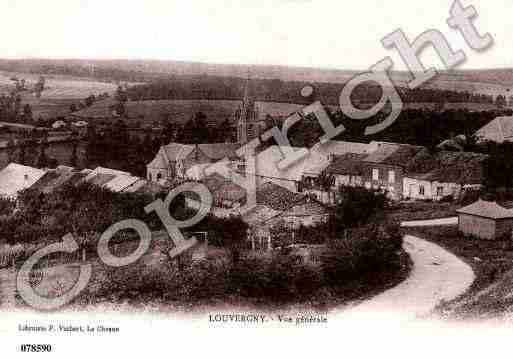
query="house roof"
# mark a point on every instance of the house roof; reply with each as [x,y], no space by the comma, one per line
[15,178]
[341,147]
[348,164]
[452,167]
[136,186]
[486,209]
[158,162]
[214,182]
[55,178]
[229,191]
[498,130]
[100,179]
[395,154]
[277,197]
[119,183]
[266,164]
[105,171]
[320,155]
[218,151]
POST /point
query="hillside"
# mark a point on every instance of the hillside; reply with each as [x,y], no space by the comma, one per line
[57,86]
[181,111]
[489,82]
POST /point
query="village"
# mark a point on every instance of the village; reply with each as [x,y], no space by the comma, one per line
[344,198]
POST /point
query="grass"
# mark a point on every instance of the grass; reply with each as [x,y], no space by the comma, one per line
[419,210]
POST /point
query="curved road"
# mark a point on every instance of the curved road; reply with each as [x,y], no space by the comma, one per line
[436,275]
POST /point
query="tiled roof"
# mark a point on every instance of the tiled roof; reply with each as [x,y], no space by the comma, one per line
[266,163]
[55,178]
[218,151]
[342,147]
[214,182]
[497,130]
[175,151]
[100,179]
[395,154]
[453,167]
[229,191]
[119,183]
[136,186]
[320,155]
[277,197]
[487,209]
[15,178]
[348,164]
[158,162]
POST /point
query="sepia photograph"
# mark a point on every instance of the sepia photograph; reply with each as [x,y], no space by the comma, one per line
[308,178]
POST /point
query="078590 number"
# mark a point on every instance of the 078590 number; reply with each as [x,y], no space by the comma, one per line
[36,348]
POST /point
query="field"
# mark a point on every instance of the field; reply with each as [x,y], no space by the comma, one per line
[60,92]
[181,111]
[58,87]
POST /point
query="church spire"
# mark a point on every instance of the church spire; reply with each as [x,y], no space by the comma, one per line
[246,98]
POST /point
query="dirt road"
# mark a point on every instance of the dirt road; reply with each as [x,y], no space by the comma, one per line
[436,275]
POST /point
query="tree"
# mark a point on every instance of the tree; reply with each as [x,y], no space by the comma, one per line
[89,100]
[11,150]
[43,160]
[233,231]
[27,113]
[500,101]
[74,157]
[357,206]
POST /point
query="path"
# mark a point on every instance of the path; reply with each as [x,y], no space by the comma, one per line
[436,275]
[431,222]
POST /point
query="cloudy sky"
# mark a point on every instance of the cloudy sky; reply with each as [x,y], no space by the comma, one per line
[341,34]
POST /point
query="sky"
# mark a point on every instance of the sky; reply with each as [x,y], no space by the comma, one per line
[337,34]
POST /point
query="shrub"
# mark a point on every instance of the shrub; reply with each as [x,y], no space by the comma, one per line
[366,255]
[7,206]
[279,279]
[447,199]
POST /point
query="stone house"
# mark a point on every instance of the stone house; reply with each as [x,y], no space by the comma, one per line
[445,173]
[386,166]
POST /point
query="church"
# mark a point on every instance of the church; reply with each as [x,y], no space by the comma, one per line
[176,160]
[247,117]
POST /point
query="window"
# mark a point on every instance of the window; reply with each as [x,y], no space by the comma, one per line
[421,190]
[439,191]
[149,176]
[391,176]
[159,176]
[375,174]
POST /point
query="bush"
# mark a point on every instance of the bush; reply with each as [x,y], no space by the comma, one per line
[7,206]
[277,280]
[357,206]
[366,255]
[447,199]
[140,283]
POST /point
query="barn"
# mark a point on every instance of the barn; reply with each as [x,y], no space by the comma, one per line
[486,220]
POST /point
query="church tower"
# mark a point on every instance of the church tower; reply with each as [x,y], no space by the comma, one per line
[247,117]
